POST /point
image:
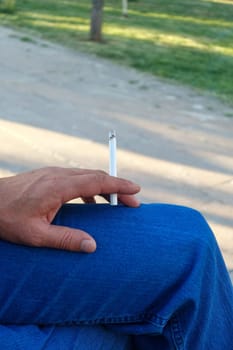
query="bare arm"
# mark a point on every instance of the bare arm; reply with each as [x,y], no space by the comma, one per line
[30,201]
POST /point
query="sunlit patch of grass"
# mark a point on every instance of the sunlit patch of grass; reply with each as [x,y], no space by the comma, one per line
[60,25]
[187,19]
[57,22]
[191,44]
[227,2]
[56,19]
[157,37]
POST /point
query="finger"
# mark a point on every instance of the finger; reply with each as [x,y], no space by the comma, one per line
[54,171]
[93,184]
[61,237]
[72,171]
[128,200]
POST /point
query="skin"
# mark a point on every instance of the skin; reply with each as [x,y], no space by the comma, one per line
[29,202]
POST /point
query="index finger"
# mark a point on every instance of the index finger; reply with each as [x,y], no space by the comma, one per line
[89,185]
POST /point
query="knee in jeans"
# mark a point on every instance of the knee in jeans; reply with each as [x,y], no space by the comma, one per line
[198,232]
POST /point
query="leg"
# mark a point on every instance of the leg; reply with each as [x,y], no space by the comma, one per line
[157,271]
[28,337]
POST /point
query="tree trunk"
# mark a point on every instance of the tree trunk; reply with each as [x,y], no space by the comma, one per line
[125,8]
[96,20]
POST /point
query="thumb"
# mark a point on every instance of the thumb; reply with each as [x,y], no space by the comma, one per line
[61,237]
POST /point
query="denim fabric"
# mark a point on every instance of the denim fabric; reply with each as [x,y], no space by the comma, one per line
[32,337]
[157,281]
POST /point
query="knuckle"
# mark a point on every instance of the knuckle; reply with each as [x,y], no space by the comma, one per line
[100,181]
[53,185]
[51,173]
[101,177]
[66,240]
[48,177]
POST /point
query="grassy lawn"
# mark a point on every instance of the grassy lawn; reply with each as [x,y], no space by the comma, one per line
[189,41]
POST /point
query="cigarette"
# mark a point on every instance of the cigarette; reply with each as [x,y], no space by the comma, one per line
[112,163]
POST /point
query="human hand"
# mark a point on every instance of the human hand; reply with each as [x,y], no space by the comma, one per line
[29,202]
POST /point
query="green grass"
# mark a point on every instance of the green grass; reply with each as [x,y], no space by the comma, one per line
[189,41]
[7,6]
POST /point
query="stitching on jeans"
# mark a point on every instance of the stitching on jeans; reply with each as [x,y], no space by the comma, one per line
[150,318]
[177,333]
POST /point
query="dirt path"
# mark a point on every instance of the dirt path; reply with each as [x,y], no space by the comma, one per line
[58,105]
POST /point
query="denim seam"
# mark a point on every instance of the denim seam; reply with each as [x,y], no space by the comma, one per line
[157,320]
[150,318]
[177,334]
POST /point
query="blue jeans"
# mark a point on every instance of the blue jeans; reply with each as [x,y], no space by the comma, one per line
[157,281]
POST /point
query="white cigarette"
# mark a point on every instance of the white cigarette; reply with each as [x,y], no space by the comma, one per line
[112,163]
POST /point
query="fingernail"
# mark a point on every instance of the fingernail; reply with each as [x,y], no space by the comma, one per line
[88,246]
[137,202]
[138,186]
[133,183]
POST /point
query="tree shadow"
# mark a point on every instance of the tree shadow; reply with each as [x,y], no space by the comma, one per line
[197,37]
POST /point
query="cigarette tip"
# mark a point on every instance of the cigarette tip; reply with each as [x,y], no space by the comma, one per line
[112,134]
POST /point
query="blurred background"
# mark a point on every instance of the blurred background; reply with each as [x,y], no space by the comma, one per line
[158,72]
